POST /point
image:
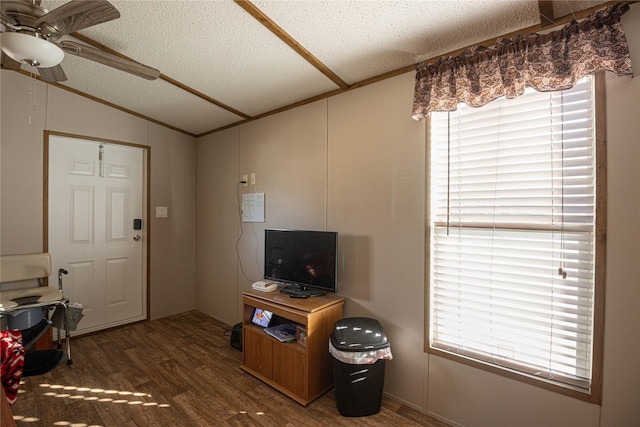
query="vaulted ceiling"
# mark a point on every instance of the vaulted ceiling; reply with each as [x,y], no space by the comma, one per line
[225,62]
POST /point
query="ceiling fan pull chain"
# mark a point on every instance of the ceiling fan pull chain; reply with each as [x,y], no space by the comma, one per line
[31,104]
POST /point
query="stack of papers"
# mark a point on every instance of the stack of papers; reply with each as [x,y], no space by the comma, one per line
[283,333]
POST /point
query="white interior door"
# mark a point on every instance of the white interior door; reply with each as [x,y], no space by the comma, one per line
[96,191]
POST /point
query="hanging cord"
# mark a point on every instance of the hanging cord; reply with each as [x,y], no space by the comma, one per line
[496,351]
[562,267]
[237,245]
[255,234]
[562,263]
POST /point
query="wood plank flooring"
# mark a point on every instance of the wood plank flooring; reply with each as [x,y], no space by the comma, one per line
[175,371]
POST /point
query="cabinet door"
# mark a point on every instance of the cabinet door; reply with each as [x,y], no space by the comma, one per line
[290,368]
[257,352]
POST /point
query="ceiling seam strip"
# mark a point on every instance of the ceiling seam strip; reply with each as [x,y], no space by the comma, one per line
[252,10]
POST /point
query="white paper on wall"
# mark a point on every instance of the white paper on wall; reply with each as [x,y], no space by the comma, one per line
[253,207]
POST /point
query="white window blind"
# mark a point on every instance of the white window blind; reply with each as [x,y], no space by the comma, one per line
[512,234]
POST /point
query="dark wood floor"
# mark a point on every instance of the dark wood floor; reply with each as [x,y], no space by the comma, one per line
[176,371]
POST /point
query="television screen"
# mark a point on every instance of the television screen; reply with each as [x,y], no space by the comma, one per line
[307,260]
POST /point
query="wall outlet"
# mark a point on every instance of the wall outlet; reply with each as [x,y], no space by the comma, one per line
[245,180]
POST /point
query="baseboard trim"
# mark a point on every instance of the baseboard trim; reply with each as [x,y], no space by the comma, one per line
[424,411]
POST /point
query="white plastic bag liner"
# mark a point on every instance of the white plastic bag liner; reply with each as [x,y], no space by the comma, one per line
[360,357]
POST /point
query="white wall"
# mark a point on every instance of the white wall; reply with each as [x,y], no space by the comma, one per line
[369,185]
[172,255]
[376,189]
[217,280]
[21,164]
[621,398]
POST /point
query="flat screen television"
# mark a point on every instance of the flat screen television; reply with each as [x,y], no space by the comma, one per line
[304,260]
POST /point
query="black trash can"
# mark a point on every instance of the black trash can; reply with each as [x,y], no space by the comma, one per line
[360,350]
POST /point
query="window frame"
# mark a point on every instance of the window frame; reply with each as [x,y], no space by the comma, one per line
[595,393]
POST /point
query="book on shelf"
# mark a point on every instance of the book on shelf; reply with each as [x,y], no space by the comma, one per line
[283,333]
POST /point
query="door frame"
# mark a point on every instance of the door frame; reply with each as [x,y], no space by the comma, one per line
[146,255]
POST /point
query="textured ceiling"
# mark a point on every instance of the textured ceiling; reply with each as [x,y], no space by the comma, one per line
[220,65]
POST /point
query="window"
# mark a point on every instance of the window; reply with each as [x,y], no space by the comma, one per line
[516,262]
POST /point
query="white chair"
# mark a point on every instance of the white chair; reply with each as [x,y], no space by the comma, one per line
[17,268]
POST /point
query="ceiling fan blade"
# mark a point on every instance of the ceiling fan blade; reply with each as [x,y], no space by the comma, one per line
[52,74]
[109,59]
[76,15]
[9,63]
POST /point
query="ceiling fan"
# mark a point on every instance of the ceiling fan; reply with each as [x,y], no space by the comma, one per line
[31,36]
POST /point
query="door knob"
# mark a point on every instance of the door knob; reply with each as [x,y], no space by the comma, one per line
[136,237]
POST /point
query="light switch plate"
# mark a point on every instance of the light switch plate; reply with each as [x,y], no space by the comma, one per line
[162,212]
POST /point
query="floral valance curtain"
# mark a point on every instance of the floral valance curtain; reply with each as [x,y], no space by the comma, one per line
[547,62]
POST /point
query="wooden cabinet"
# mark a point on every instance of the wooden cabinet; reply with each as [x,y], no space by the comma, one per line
[302,372]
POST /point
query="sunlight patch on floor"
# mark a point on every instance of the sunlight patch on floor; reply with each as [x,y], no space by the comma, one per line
[90,394]
[26,419]
[99,395]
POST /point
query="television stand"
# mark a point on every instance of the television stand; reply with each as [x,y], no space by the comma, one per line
[296,292]
[302,370]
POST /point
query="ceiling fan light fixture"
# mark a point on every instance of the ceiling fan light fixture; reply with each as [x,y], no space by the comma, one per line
[31,50]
